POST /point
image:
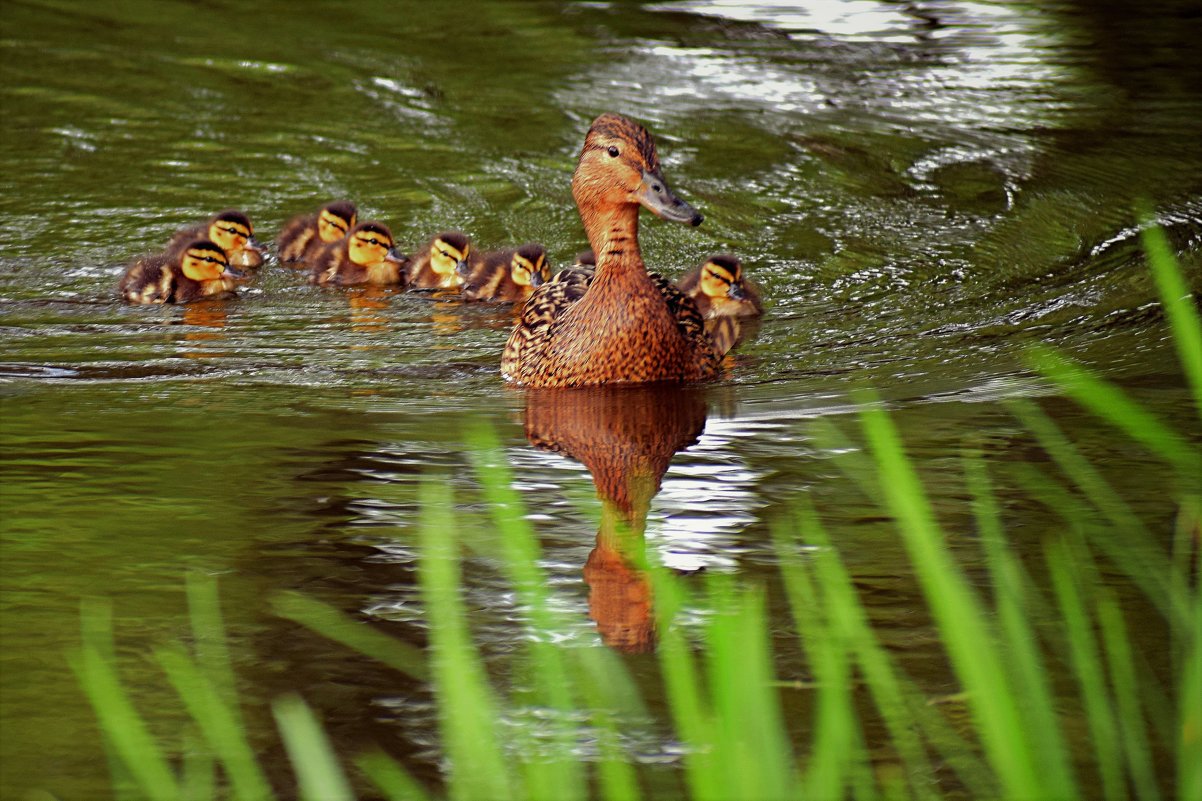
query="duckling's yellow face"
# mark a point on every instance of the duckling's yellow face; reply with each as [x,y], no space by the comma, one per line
[445,257]
[331,227]
[230,235]
[368,247]
[204,263]
[720,282]
[529,273]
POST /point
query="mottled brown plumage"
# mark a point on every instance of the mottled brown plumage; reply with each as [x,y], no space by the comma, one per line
[505,276]
[437,264]
[197,270]
[365,256]
[627,326]
[719,289]
[231,231]
[303,237]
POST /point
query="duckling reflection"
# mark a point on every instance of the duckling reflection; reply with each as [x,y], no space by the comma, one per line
[626,436]
[205,321]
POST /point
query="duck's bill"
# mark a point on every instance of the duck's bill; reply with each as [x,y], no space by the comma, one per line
[653,193]
[395,257]
[231,271]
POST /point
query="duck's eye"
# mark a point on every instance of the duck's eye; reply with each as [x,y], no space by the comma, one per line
[614,152]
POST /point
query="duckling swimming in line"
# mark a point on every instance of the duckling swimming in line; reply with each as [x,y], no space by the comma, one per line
[437,265]
[719,289]
[229,229]
[622,324]
[198,270]
[365,256]
[505,276]
[303,237]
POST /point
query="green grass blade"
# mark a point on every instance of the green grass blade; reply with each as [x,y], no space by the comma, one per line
[199,780]
[1085,659]
[901,705]
[957,613]
[750,731]
[1034,699]
[354,634]
[682,684]
[222,728]
[318,773]
[1134,550]
[1179,308]
[120,722]
[395,782]
[1111,404]
[467,710]
[208,633]
[1126,688]
[1189,715]
[96,624]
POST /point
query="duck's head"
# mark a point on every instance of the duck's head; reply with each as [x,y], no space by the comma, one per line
[449,253]
[585,258]
[722,277]
[204,260]
[232,231]
[528,266]
[370,244]
[618,166]
[335,220]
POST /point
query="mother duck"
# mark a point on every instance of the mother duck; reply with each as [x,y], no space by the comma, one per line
[619,324]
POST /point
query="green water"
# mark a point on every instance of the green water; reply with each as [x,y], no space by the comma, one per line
[922,190]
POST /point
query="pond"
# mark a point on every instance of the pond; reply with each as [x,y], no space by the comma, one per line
[922,190]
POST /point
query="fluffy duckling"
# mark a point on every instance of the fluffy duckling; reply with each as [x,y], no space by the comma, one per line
[229,229]
[365,256]
[585,258]
[506,276]
[436,266]
[304,236]
[719,289]
[620,324]
[199,269]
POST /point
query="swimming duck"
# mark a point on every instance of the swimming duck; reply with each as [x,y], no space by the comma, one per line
[505,275]
[304,236]
[621,324]
[199,269]
[719,289]
[365,256]
[231,230]
[436,266]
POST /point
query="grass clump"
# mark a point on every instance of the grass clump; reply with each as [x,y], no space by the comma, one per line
[720,680]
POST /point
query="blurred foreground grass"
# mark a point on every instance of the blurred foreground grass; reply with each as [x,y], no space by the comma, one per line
[1144,734]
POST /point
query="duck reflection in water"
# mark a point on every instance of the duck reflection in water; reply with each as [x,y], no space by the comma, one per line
[626,436]
[205,321]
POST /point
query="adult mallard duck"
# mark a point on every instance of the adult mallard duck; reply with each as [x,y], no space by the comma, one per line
[303,237]
[229,229]
[621,324]
[365,256]
[505,276]
[199,269]
[719,289]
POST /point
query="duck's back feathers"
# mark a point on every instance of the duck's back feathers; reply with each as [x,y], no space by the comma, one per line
[161,279]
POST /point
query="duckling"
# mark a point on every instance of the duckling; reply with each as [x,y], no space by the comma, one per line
[230,229]
[304,236]
[197,270]
[719,289]
[365,256]
[505,275]
[621,324]
[585,258]
[437,265]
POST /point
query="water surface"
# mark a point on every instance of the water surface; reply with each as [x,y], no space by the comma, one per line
[922,190]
